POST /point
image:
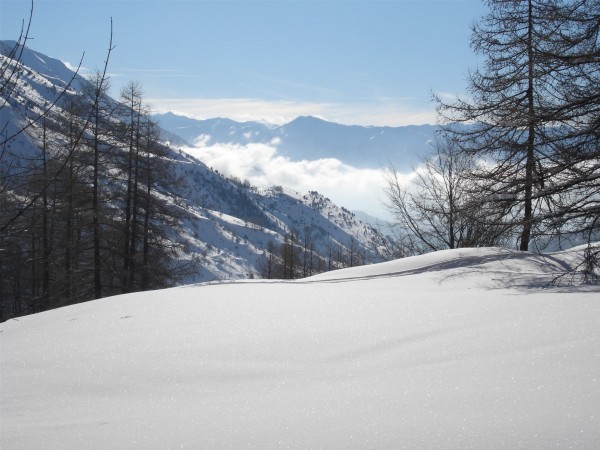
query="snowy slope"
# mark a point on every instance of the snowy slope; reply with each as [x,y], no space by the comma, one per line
[230,225]
[51,69]
[459,349]
[36,86]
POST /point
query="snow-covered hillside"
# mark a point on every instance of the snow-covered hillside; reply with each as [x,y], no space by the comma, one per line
[230,224]
[227,225]
[461,349]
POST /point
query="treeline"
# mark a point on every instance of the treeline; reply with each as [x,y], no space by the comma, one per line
[517,162]
[297,256]
[82,215]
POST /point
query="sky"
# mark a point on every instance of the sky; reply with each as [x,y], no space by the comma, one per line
[354,62]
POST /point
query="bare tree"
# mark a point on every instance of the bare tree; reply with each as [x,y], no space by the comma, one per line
[98,89]
[268,262]
[532,113]
[63,194]
[11,69]
[131,96]
[571,187]
[308,251]
[438,208]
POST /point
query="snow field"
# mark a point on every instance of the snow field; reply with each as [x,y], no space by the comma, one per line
[457,349]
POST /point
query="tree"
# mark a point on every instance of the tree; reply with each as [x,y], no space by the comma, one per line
[504,104]
[268,262]
[100,113]
[573,187]
[290,255]
[10,72]
[532,115]
[73,184]
[30,192]
[438,208]
[154,256]
[131,96]
[308,251]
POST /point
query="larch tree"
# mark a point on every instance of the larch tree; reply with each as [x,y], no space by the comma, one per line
[573,187]
[531,115]
[101,112]
[131,98]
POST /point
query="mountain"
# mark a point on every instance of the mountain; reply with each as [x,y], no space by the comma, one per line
[459,349]
[230,225]
[310,138]
[225,224]
[50,69]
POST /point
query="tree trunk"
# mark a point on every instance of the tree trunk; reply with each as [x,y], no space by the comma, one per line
[530,162]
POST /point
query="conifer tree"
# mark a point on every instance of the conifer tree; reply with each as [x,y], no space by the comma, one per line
[532,113]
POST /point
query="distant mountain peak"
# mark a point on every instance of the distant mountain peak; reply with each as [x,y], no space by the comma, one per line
[311,138]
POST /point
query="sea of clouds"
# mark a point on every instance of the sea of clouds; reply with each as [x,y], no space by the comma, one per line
[353,188]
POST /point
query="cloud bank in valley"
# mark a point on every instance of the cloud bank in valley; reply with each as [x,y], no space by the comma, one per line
[262,166]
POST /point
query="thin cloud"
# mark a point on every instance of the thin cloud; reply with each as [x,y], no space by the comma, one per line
[241,109]
[447,96]
[159,73]
[376,112]
[83,71]
[86,72]
[167,71]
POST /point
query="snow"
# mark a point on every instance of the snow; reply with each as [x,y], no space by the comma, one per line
[451,350]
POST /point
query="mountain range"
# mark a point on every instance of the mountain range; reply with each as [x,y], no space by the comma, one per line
[311,138]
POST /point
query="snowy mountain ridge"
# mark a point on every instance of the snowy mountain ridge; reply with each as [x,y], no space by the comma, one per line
[51,69]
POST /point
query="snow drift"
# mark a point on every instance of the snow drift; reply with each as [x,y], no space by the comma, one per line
[455,349]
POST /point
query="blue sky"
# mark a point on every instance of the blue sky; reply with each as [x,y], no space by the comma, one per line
[354,62]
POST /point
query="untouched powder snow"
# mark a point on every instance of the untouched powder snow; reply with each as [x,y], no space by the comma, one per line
[461,349]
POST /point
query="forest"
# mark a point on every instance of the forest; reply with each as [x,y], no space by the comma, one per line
[83,213]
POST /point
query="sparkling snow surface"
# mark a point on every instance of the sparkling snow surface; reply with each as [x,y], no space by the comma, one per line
[451,350]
